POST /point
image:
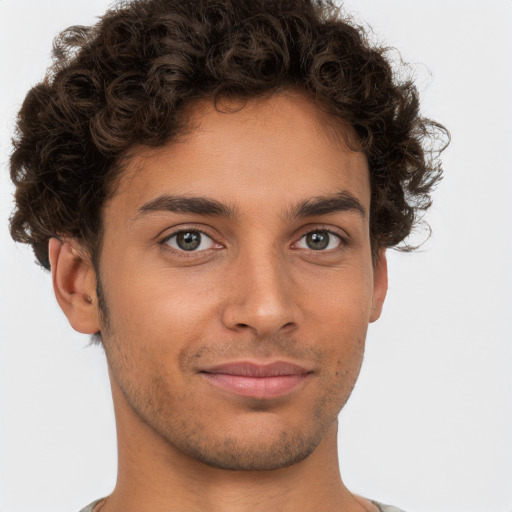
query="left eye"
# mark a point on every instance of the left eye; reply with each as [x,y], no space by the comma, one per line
[190,240]
[321,240]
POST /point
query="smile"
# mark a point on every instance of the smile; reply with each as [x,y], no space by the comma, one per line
[257,381]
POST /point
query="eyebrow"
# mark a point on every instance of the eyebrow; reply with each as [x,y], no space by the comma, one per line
[342,201]
[186,204]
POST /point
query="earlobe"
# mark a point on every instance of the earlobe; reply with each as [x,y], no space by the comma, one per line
[74,284]
[380,285]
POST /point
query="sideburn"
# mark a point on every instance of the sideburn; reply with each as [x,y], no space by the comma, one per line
[96,338]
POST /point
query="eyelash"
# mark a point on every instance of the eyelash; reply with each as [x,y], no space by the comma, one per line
[182,253]
[343,241]
[324,229]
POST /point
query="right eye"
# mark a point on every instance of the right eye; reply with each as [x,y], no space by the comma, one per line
[189,240]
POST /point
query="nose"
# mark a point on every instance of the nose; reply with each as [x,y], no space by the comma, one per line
[262,297]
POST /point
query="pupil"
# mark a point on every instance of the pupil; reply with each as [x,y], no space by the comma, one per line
[188,240]
[318,240]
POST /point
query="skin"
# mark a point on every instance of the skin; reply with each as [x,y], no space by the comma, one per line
[253,291]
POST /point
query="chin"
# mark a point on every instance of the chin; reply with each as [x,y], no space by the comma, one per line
[230,455]
[257,449]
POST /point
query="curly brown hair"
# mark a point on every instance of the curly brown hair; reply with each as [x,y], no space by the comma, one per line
[126,80]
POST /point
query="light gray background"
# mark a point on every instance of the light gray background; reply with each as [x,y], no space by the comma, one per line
[429,425]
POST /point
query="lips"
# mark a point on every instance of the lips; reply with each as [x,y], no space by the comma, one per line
[255,380]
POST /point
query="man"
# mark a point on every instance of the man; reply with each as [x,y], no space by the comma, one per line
[213,186]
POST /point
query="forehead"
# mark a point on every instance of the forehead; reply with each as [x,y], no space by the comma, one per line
[262,153]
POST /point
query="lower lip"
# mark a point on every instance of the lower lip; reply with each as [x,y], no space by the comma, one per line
[257,387]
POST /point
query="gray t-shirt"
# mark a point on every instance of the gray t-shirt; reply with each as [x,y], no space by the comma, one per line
[381,507]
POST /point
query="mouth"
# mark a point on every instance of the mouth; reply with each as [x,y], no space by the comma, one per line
[262,381]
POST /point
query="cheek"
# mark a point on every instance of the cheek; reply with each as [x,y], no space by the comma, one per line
[157,311]
[341,301]
[339,316]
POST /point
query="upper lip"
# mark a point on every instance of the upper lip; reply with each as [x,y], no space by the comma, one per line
[249,369]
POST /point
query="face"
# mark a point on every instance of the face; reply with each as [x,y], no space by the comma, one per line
[237,273]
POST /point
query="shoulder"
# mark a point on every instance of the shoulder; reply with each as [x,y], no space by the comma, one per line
[380,506]
[386,508]
[90,507]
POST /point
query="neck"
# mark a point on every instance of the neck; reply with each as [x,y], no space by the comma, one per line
[153,476]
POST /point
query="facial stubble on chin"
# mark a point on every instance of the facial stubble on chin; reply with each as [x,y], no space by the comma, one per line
[153,402]
[250,451]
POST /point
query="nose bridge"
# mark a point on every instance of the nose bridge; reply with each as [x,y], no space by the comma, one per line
[262,298]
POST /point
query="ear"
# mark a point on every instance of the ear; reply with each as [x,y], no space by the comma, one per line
[74,284]
[380,285]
